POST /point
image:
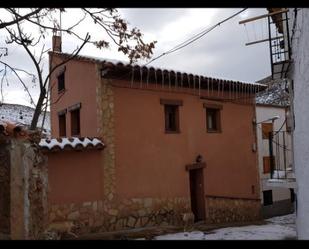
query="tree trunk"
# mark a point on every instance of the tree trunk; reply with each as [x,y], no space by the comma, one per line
[37,110]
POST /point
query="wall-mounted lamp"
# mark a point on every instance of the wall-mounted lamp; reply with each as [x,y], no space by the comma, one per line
[270,119]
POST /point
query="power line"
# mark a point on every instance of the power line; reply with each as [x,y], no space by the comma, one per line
[195,37]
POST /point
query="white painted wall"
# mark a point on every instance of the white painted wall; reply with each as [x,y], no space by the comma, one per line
[264,112]
[300,75]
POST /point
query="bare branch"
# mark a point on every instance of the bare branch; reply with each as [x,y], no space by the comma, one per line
[20,18]
[21,81]
[37,66]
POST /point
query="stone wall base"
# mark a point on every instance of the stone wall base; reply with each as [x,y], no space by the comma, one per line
[105,216]
[225,210]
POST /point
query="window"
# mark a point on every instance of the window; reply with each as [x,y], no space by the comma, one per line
[171,118]
[268,197]
[292,195]
[171,113]
[75,122]
[213,120]
[61,86]
[266,128]
[266,164]
[62,125]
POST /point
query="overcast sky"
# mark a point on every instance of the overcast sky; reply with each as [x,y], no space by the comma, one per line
[221,53]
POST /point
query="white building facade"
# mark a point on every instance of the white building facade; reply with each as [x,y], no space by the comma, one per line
[275,200]
[299,76]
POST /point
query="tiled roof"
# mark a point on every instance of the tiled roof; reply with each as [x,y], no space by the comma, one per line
[10,129]
[74,143]
[125,66]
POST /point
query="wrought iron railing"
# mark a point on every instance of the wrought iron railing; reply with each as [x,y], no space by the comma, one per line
[279,44]
[280,154]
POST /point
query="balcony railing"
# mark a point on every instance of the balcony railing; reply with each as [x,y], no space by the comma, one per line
[279,44]
[280,153]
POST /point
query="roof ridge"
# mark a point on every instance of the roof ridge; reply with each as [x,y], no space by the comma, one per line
[117,62]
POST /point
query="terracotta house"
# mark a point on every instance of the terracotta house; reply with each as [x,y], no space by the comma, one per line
[170,143]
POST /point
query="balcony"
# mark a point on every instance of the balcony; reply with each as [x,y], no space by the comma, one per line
[281,167]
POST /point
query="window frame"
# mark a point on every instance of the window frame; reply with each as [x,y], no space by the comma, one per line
[62,114]
[73,109]
[61,73]
[167,103]
[264,135]
[215,108]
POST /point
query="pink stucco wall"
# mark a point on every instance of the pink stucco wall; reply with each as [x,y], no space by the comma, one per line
[80,85]
[150,162]
[75,177]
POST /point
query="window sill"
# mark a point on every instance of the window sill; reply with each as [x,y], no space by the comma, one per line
[172,132]
[214,131]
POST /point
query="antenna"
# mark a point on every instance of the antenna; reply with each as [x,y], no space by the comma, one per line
[60,23]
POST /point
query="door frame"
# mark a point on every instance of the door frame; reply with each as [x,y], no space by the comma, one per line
[200,209]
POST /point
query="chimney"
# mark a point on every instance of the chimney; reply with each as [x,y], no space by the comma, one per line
[56,43]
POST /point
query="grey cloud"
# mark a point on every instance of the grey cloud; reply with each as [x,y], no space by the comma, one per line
[221,53]
[152,19]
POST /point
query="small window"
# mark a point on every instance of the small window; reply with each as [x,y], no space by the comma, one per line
[266,128]
[292,195]
[213,120]
[61,85]
[171,118]
[266,164]
[62,125]
[75,122]
[268,197]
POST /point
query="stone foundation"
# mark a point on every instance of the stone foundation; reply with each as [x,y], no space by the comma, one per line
[102,216]
[225,210]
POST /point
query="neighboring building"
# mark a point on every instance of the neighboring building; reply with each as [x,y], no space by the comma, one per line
[293,25]
[289,56]
[173,143]
[273,103]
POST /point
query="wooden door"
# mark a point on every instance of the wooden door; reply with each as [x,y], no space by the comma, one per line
[197,193]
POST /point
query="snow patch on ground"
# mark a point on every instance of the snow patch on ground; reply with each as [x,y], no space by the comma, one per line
[277,228]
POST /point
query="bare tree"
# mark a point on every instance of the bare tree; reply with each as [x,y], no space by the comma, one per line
[43,20]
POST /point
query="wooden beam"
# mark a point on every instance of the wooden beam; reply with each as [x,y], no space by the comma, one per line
[264,40]
[263,16]
[171,102]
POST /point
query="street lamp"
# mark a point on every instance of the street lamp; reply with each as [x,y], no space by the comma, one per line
[270,119]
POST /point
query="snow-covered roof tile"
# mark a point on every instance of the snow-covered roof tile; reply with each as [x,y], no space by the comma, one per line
[118,63]
[74,143]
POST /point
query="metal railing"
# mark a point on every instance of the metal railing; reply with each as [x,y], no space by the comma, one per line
[279,43]
[280,154]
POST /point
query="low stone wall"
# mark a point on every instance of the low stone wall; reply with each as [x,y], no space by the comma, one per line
[225,210]
[102,216]
[23,188]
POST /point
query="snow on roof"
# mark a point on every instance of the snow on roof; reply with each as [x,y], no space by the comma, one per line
[124,63]
[74,143]
[276,93]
